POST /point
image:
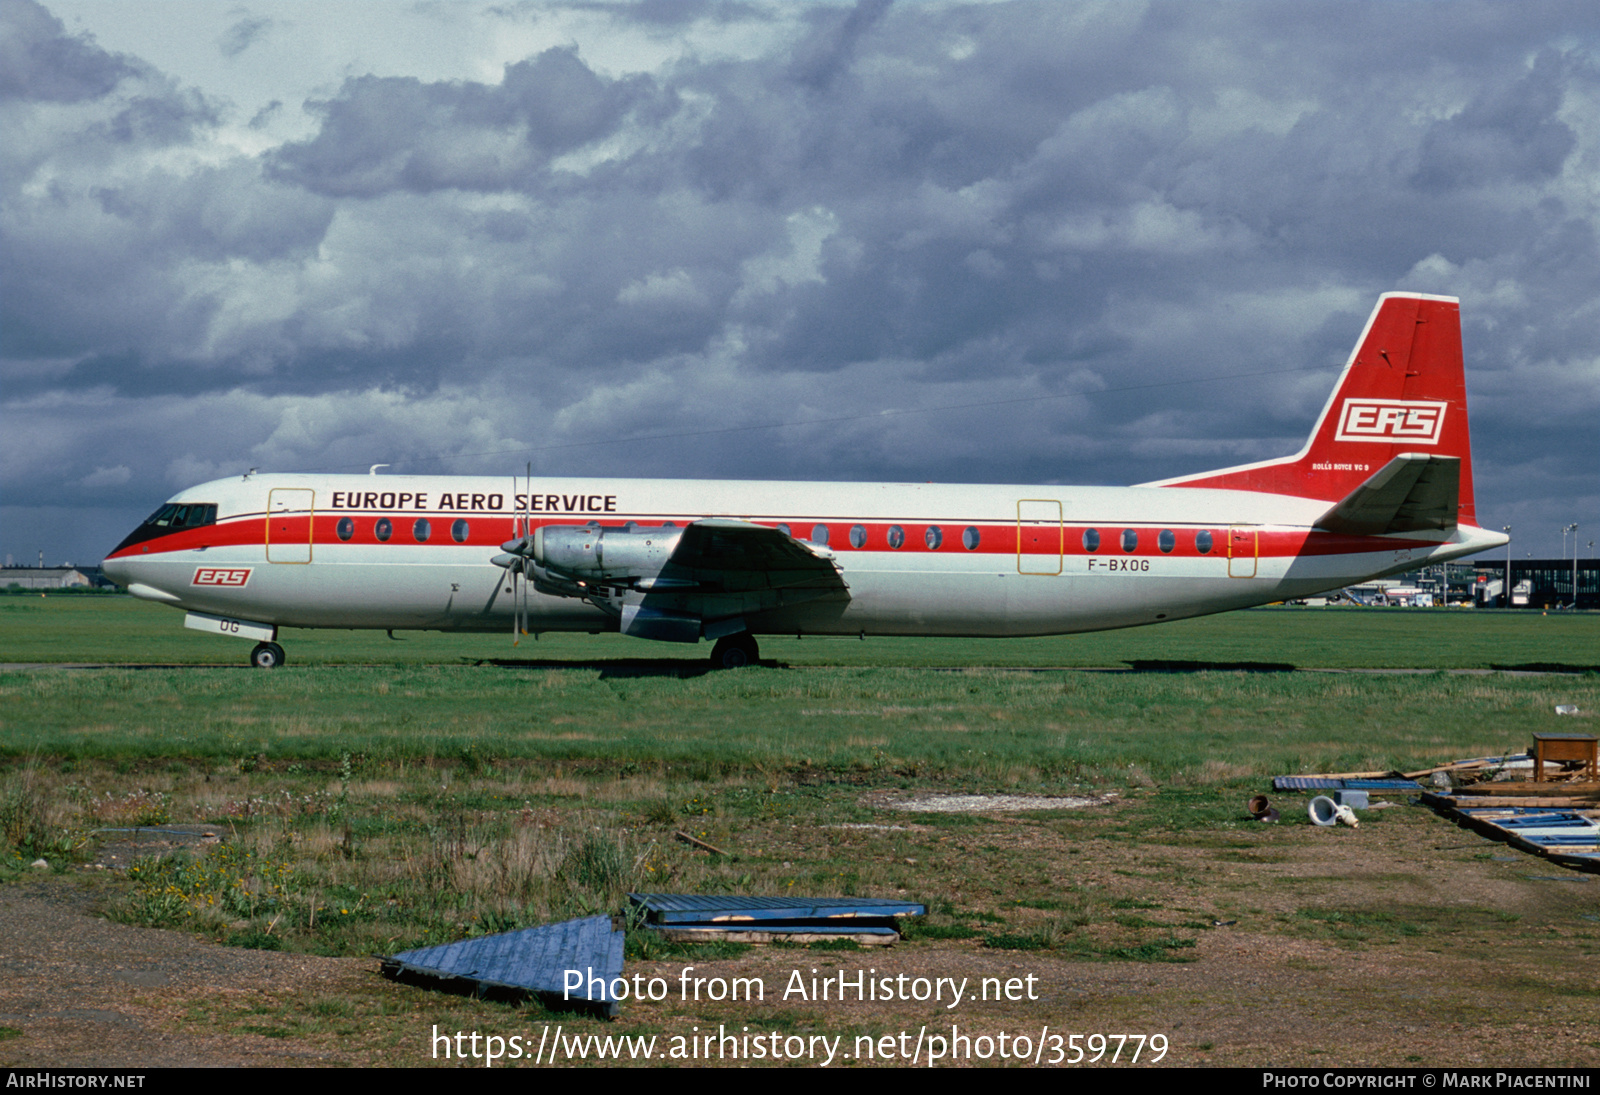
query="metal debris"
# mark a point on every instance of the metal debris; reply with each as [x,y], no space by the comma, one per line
[698,918]
[532,962]
[1567,837]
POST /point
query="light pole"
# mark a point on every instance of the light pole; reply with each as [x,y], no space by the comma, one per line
[1574,566]
[1573,530]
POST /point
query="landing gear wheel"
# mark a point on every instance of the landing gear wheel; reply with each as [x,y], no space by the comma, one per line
[267,656]
[735,651]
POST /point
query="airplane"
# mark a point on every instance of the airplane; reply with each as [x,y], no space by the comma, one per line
[1382,485]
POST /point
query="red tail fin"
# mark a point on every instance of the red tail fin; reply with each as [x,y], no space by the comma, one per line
[1403,391]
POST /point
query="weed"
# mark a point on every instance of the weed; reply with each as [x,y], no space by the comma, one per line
[133,808]
[24,812]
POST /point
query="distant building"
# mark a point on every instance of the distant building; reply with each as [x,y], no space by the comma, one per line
[47,577]
[1546,582]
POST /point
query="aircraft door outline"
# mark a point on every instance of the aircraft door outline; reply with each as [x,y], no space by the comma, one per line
[1244,550]
[285,542]
[1041,536]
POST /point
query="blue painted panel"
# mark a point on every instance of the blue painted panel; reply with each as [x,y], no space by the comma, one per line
[779,928]
[1323,783]
[534,960]
[672,908]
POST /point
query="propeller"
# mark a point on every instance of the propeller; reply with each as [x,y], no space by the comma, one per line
[527,533]
[519,529]
[514,559]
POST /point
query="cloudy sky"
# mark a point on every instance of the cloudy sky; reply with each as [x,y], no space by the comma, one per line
[1035,242]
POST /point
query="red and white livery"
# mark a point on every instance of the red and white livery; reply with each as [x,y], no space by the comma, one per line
[1383,485]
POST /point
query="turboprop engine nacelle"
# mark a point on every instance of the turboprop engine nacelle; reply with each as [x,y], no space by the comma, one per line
[595,552]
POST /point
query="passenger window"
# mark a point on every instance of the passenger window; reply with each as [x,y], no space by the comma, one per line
[1166,541]
[858,536]
[1091,540]
[819,535]
[969,538]
[1130,539]
[897,537]
[933,537]
[421,530]
[458,530]
[383,530]
[346,528]
[1202,542]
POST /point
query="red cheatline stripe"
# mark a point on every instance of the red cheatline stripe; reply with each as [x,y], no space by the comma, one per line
[994,539]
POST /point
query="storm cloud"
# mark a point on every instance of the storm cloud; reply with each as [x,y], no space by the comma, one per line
[1035,242]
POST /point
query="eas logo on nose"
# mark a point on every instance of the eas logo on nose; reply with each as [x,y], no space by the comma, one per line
[1411,420]
[221,576]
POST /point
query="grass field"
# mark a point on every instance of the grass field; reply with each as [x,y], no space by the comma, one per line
[122,630]
[380,795]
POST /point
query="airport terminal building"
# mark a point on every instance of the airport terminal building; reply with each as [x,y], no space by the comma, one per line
[1537,583]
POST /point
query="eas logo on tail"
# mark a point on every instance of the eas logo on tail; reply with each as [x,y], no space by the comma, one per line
[1411,420]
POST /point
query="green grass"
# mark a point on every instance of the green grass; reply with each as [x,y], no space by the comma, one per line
[122,630]
[1006,729]
[380,795]
[613,704]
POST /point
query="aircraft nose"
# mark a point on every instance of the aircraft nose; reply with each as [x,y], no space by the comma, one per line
[117,571]
[123,570]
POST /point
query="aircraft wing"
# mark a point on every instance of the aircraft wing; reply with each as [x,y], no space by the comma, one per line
[1411,493]
[738,556]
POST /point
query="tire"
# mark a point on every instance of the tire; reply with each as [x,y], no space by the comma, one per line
[267,656]
[735,651]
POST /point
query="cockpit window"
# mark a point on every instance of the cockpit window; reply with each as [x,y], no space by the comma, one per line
[180,515]
[170,518]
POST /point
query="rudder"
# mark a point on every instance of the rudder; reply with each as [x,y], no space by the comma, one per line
[1402,391]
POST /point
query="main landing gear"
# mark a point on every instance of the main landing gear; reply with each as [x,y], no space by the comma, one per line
[735,651]
[267,656]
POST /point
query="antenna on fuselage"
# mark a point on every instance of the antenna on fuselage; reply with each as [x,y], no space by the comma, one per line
[374,469]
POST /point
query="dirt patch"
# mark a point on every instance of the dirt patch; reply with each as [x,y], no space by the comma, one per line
[1407,942]
[88,993]
[988,804]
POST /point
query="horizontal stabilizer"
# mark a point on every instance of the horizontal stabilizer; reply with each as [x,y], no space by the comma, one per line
[1410,493]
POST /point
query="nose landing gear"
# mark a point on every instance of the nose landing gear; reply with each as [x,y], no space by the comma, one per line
[267,656]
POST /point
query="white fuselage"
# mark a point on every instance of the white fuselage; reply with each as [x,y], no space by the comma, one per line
[307,551]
